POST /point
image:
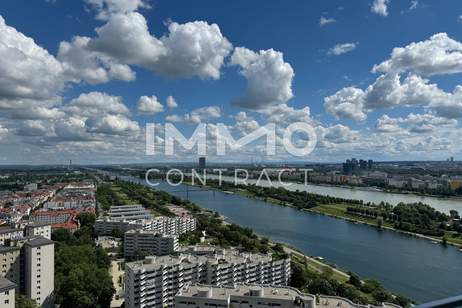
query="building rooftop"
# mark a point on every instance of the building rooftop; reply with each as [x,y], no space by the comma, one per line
[270,292]
[225,256]
[39,241]
[9,230]
[6,285]
[8,248]
[275,292]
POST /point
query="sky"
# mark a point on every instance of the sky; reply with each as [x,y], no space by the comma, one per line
[375,79]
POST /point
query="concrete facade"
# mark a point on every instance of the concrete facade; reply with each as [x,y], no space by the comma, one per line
[155,281]
[243,296]
[150,242]
[39,271]
[38,229]
[7,293]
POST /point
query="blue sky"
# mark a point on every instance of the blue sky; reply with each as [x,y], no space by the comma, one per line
[294,55]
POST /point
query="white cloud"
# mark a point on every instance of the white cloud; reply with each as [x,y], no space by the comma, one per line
[388,91]
[126,37]
[245,124]
[33,128]
[438,55]
[112,125]
[149,105]
[80,63]
[193,49]
[171,102]
[89,104]
[346,103]
[341,49]
[459,18]
[285,114]
[385,124]
[3,131]
[414,124]
[28,70]
[197,115]
[37,113]
[107,8]
[71,129]
[380,7]
[269,78]
[324,21]
[174,118]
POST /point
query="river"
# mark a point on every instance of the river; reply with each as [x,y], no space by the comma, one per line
[441,204]
[414,267]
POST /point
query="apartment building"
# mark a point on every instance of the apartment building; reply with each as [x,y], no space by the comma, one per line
[155,281]
[39,271]
[7,293]
[10,264]
[260,296]
[7,234]
[105,226]
[129,212]
[38,229]
[53,217]
[173,225]
[150,242]
[243,296]
[161,224]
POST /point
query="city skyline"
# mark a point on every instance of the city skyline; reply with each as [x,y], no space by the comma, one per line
[79,81]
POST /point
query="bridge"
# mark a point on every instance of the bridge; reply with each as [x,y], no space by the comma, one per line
[193,190]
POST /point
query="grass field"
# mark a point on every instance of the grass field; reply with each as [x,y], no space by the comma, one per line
[339,211]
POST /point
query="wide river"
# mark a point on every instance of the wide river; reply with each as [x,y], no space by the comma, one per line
[375,196]
[410,266]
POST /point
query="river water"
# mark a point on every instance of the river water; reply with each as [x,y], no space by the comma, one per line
[414,267]
[441,204]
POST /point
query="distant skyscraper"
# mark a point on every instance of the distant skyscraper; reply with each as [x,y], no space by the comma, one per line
[202,162]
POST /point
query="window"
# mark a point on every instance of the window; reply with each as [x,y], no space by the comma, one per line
[7,301]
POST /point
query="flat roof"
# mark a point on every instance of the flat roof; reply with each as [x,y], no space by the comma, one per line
[223,292]
[9,230]
[39,241]
[6,285]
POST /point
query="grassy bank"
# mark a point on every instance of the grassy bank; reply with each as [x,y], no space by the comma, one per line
[340,211]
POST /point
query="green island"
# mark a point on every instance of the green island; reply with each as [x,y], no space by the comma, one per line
[416,219]
[309,274]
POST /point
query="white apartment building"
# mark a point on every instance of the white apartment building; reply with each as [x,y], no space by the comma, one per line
[150,242]
[129,212]
[155,281]
[243,296]
[173,225]
[7,293]
[7,234]
[10,264]
[39,271]
[38,229]
[105,226]
[161,224]
[259,296]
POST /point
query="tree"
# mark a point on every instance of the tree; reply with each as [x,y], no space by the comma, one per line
[86,219]
[454,214]
[24,302]
[379,222]
[62,235]
[354,280]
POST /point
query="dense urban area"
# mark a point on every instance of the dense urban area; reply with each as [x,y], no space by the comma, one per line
[80,237]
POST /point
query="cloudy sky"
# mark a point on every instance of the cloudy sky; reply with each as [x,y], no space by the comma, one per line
[376,79]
